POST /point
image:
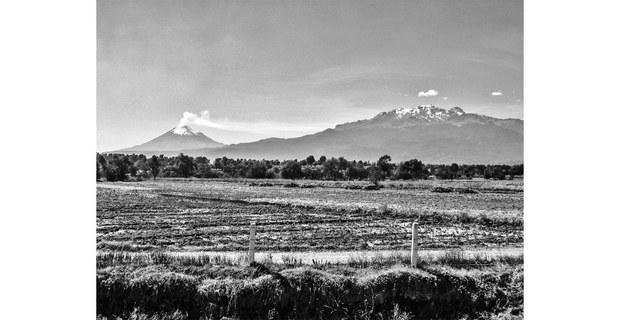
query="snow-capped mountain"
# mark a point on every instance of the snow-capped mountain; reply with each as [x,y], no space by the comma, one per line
[178,138]
[423,112]
[185,131]
[429,115]
[428,133]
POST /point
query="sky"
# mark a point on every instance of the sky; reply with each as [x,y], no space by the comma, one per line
[240,71]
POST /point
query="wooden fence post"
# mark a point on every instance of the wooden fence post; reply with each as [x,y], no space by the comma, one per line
[414,245]
[252,241]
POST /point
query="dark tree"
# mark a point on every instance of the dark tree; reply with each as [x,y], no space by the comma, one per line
[310,160]
[202,160]
[102,161]
[331,169]
[154,165]
[98,172]
[516,170]
[312,173]
[322,160]
[404,171]
[185,165]
[498,173]
[384,165]
[258,171]
[218,164]
[343,164]
[118,168]
[417,170]
[454,168]
[375,174]
[356,172]
[412,169]
[292,170]
[102,166]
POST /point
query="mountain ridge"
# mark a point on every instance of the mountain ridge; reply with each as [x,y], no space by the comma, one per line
[426,132]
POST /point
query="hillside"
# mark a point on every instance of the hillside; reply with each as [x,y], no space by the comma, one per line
[432,134]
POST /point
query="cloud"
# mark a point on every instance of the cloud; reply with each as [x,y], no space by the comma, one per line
[203,118]
[496,93]
[428,93]
[445,98]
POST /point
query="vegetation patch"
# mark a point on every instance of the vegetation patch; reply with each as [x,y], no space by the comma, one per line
[353,187]
[442,189]
[433,292]
[291,185]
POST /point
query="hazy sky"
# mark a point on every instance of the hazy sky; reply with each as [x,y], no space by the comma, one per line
[288,68]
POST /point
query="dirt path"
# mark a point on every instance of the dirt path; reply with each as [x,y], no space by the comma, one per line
[120,186]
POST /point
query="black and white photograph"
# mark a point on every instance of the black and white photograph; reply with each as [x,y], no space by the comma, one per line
[308,159]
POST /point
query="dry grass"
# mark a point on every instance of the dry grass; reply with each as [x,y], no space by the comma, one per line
[454,258]
[261,292]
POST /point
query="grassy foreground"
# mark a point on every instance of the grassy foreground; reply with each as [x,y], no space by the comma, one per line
[167,249]
[275,291]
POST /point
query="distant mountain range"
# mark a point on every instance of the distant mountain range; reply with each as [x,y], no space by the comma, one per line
[431,134]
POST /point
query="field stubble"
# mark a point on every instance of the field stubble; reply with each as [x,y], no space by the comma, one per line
[208,215]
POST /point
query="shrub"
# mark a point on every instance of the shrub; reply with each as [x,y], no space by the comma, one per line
[383,209]
[291,185]
[464,217]
[468,190]
[442,189]
[353,187]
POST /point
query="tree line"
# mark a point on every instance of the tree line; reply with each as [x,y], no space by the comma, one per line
[122,167]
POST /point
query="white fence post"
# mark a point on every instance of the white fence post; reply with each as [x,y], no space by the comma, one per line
[414,245]
[252,241]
